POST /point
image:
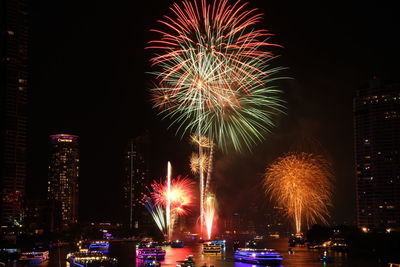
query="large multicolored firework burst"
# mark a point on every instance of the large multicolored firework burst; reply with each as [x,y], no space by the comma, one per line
[214,77]
[302,184]
[214,74]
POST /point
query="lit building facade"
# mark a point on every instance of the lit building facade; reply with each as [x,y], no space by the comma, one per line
[377,155]
[136,173]
[63,181]
[13,109]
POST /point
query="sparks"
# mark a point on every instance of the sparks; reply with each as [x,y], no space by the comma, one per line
[302,184]
[209,214]
[181,195]
[214,73]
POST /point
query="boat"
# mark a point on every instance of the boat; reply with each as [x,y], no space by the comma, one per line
[10,254]
[258,256]
[90,259]
[222,243]
[324,258]
[251,244]
[150,262]
[144,250]
[188,262]
[236,245]
[34,257]
[211,249]
[177,244]
[275,235]
[98,246]
[339,244]
[314,246]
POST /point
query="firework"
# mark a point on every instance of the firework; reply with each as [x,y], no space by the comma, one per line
[209,213]
[196,163]
[157,213]
[181,195]
[214,72]
[201,141]
[168,201]
[214,77]
[162,99]
[302,184]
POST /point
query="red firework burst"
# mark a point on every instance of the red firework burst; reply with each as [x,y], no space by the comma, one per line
[181,194]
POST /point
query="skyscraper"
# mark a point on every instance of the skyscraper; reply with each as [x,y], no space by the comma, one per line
[13,109]
[135,181]
[377,154]
[63,181]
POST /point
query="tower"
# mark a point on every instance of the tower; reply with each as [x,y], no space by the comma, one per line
[377,154]
[63,181]
[135,181]
[13,109]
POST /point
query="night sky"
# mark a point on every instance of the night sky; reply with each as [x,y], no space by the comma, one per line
[89,78]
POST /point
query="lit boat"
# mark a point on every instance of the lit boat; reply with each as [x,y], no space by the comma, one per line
[339,244]
[99,246]
[10,254]
[222,243]
[324,257]
[188,262]
[150,262]
[148,250]
[177,244]
[251,244]
[258,256]
[90,259]
[213,249]
[34,257]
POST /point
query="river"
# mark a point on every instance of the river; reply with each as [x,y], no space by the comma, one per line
[302,257]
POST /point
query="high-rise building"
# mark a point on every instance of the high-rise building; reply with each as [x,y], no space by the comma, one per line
[136,174]
[377,154]
[13,109]
[63,181]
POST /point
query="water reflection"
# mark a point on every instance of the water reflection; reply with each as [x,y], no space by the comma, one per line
[125,253]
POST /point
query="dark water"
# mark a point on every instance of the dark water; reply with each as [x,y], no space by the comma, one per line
[125,252]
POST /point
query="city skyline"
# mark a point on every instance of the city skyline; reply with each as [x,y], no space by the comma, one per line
[113,103]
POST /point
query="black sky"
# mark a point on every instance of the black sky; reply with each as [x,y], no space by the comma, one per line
[88,78]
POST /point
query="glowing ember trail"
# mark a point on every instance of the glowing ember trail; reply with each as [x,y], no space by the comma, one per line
[168,206]
[157,213]
[302,184]
[209,213]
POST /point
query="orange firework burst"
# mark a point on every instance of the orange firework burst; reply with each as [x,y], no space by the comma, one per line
[162,98]
[302,184]
[201,141]
[181,195]
[196,162]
